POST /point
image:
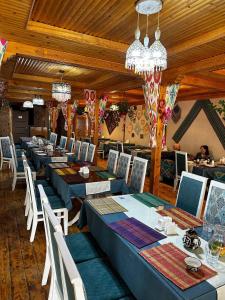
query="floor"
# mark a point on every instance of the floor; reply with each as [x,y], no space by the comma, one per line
[21,263]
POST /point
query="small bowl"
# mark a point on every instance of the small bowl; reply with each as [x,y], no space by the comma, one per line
[192,263]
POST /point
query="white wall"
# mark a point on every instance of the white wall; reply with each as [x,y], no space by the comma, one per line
[199,133]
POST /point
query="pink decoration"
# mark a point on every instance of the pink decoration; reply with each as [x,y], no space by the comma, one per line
[3,44]
[102,106]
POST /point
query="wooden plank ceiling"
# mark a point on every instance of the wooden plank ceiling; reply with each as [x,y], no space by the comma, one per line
[87,39]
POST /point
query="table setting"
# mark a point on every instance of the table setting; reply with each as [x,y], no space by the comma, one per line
[158,250]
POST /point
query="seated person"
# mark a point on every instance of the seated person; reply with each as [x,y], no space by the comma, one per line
[204,154]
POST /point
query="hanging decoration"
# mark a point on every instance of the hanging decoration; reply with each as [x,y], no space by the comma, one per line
[132,113]
[166,107]
[53,113]
[90,97]
[63,106]
[151,95]
[112,119]
[61,91]
[142,58]
[102,106]
[3,44]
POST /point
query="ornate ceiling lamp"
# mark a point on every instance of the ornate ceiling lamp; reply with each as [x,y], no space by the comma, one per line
[61,91]
[142,58]
[38,101]
[28,104]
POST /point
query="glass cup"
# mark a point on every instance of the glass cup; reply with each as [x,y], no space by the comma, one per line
[212,253]
[207,229]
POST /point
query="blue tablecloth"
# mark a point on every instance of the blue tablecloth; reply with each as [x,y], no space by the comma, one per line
[68,191]
[207,171]
[144,281]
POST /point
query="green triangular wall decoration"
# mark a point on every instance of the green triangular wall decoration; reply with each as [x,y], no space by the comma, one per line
[211,115]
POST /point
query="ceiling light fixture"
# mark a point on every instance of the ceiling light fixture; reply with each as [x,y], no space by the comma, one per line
[28,104]
[143,59]
[61,91]
[37,100]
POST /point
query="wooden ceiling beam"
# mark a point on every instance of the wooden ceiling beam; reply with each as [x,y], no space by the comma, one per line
[197,41]
[208,64]
[78,37]
[205,95]
[199,81]
[15,48]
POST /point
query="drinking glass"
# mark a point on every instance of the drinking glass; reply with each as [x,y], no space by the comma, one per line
[207,229]
[212,252]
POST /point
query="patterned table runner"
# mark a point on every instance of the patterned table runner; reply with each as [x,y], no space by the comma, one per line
[106,206]
[65,171]
[58,165]
[149,199]
[106,175]
[169,261]
[182,218]
[136,232]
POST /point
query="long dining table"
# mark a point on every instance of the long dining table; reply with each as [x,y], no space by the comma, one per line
[71,183]
[144,280]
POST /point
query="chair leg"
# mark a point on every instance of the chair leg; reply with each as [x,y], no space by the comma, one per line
[46,269]
[1,163]
[14,182]
[175,184]
[27,207]
[33,230]
[29,219]
[65,222]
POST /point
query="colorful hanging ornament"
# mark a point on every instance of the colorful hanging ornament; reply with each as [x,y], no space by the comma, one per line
[3,44]
[151,95]
[132,113]
[63,106]
[90,97]
[102,106]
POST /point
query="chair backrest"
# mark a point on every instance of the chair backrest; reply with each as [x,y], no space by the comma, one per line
[5,147]
[73,288]
[112,161]
[70,144]
[30,187]
[77,149]
[51,225]
[123,166]
[84,151]
[181,162]
[191,193]
[53,138]
[62,143]
[14,159]
[120,147]
[215,203]
[137,178]
[91,152]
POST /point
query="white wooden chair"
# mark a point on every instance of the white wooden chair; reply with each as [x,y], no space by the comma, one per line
[77,149]
[191,193]
[138,172]
[214,212]
[123,166]
[70,146]
[62,143]
[18,169]
[181,164]
[100,149]
[5,151]
[112,161]
[84,151]
[35,213]
[53,138]
[91,152]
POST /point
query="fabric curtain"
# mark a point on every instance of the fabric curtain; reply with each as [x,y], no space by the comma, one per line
[3,44]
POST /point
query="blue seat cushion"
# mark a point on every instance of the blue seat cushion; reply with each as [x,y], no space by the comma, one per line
[101,282]
[54,201]
[43,182]
[20,167]
[49,191]
[82,246]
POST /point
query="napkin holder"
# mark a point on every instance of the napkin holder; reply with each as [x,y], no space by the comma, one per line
[191,239]
[49,148]
[85,170]
[170,228]
[163,221]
